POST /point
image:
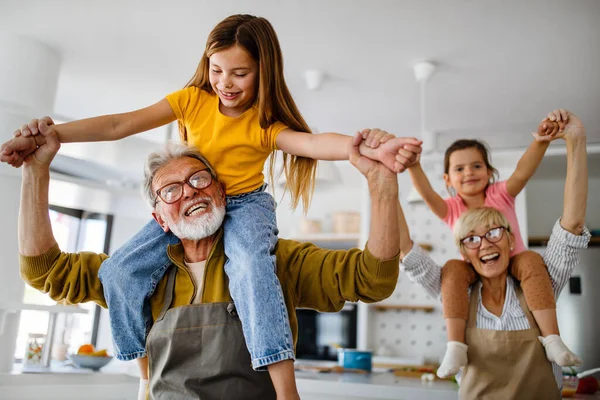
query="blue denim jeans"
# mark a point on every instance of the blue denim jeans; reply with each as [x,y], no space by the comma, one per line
[130,276]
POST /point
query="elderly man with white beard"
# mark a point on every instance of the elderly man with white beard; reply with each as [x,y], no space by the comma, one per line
[195,345]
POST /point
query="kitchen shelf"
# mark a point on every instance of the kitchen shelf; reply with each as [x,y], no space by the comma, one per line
[383,307]
[332,241]
[426,246]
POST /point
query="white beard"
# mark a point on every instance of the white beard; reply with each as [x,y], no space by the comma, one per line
[202,227]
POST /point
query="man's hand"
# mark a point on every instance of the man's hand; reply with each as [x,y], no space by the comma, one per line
[395,153]
[374,171]
[574,128]
[15,151]
[46,152]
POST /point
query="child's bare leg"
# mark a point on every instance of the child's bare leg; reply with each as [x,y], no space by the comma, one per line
[529,268]
[284,380]
[457,276]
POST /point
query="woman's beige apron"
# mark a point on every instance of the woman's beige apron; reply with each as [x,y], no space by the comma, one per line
[506,365]
[199,352]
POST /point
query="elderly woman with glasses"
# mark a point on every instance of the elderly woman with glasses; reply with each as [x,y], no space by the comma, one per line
[506,360]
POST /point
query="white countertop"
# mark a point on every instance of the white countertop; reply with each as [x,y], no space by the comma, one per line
[108,385]
[377,385]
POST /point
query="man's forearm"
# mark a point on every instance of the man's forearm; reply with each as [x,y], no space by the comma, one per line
[35,229]
[576,185]
[384,235]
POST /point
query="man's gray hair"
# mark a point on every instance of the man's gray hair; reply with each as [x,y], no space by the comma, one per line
[157,160]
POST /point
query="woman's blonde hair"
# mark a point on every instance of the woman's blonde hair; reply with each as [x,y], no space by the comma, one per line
[274,100]
[476,217]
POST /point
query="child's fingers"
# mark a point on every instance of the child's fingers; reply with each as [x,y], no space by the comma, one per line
[399,167]
[412,148]
[541,138]
[17,133]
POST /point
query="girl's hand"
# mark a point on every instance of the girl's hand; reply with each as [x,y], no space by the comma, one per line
[374,137]
[552,127]
[399,153]
[16,150]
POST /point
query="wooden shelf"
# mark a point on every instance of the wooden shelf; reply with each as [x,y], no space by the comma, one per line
[383,307]
[426,246]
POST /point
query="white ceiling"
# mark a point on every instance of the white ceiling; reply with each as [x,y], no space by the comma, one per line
[502,65]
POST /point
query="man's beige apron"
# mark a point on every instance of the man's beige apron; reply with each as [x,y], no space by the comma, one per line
[506,365]
[199,352]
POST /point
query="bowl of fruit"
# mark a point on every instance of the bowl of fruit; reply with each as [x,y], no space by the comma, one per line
[88,357]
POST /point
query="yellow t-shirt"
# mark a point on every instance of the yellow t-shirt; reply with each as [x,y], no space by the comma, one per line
[236,147]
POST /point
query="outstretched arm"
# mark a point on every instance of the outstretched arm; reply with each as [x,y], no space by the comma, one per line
[576,184]
[434,201]
[35,229]
[64,276]
[394,154]
[549,129]
[97,129]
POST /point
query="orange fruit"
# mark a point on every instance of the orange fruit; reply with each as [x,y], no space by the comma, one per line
[86,349]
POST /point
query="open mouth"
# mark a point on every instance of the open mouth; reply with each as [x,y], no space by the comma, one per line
[489,258]
[229,95]
[197,208]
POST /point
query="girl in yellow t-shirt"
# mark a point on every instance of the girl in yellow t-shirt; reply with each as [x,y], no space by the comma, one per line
[237,110]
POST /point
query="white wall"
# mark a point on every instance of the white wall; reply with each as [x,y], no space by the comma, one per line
[328,198]
[545,202]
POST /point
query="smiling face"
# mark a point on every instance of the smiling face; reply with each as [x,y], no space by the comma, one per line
[233,75]
[467,173]
[492,257]
[199,212]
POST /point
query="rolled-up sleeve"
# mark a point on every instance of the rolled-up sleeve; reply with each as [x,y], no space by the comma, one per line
[71,277]
[562,254]
[421,269]
[325,279]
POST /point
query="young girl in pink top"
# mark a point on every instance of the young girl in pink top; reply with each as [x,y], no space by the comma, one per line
[469,173]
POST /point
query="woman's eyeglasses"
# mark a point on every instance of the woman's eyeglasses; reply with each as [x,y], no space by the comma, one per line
[474,241]
[173,191]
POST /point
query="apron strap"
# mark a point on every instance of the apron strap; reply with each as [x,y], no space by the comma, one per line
[168,292]
[524,307]
[473,305]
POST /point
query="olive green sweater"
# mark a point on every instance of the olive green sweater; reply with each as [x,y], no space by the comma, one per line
[310,277]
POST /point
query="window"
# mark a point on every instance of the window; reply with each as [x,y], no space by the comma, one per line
[74,230]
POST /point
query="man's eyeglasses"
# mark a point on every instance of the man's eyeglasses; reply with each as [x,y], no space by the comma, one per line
[474,242]
[173,191]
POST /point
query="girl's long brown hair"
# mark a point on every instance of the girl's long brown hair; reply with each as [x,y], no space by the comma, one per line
[275,103]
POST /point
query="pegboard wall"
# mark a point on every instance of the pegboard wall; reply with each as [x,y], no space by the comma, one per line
[419,334]
[410,333]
